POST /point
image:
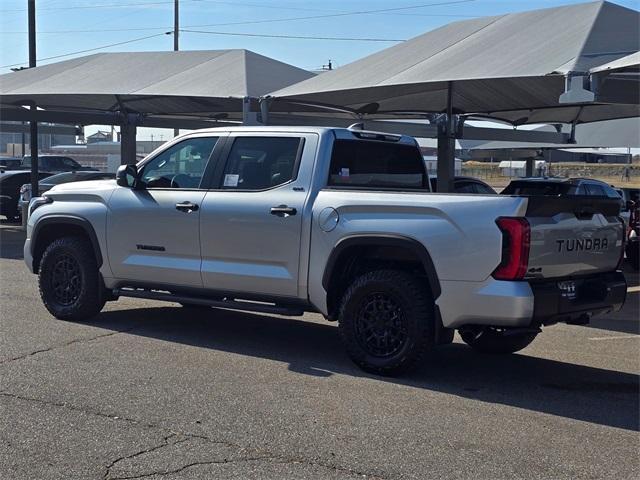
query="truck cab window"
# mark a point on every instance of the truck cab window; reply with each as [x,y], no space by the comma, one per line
[369,164]
[181,166]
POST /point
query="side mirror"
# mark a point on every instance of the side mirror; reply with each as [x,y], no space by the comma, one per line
[126,176]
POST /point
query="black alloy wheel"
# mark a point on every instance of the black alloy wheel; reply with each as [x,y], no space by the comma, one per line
[66,280]
[381,325]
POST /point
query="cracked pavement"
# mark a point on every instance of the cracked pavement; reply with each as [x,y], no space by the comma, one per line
[152,390]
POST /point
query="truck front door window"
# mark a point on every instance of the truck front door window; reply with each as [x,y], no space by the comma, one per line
[181,166]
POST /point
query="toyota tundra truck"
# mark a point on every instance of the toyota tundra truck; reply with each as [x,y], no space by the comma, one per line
[287,220]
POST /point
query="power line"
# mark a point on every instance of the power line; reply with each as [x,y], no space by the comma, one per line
[298,37]
[393,10]
[111,5]
[89,49]
[250,22]
[168,2]
[341,14]
[333,15]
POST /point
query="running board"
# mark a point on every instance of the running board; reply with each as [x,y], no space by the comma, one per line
[228,304]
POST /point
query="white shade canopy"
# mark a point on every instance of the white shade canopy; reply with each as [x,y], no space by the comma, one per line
[510,67]
[194,83]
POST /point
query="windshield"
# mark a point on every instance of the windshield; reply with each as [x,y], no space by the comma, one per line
[60,178]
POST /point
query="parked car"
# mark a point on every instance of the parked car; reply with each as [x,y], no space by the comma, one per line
[560,186]
[10,183]
[55,164]
[283,220]
[465,185]
[10,163]
[65,177]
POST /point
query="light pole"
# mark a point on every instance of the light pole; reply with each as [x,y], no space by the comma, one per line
[33,124]
[176,43]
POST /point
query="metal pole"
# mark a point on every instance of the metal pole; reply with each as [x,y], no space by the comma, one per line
[530,162]
[128,140]
[447,146]
[176,25]
[176,43]
[33,124]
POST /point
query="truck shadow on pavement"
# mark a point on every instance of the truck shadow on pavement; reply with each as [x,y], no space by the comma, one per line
[573,391]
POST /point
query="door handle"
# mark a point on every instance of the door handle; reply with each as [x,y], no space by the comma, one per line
[187,207]
[283,211]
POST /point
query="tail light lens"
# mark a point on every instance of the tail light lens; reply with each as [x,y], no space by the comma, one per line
[516,240]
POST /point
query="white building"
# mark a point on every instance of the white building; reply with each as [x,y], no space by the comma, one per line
[432,164]
[518,168]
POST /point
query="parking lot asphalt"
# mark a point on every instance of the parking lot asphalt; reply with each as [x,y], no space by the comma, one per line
[153,390]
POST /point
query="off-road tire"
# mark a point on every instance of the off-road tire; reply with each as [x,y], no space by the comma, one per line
[376,296]
[494,341]
[78,294]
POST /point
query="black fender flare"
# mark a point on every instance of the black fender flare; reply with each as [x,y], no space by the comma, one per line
[384,240]
[67,220]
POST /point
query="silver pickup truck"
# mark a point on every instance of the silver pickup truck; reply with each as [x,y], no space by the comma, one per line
[336,221]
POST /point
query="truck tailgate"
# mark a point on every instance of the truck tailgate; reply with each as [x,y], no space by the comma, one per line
[572,236]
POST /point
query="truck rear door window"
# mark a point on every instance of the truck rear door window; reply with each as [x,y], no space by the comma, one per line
[260,163]
[372,164]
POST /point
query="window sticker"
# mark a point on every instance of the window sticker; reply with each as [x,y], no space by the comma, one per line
[231,180]
[344,172]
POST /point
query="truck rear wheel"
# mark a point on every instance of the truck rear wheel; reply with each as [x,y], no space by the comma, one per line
[69,280]
[493,340]
[386,321]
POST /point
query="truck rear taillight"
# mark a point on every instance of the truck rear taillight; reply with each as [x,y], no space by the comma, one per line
[516,239]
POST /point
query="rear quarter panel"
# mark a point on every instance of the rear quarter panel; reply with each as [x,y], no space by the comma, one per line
[458,231]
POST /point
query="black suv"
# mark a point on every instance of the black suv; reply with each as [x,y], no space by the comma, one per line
[558,186]
[54,164]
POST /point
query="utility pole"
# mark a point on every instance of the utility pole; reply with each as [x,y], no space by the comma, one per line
[176,43]
[176,25]
[33,124]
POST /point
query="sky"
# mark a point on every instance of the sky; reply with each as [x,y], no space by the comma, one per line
[68,26]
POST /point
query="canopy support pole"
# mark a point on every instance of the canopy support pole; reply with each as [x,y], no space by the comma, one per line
[447,146]
[33,147]
[529,167]
[265,103]
[128,131]
[33,124]
[249,115]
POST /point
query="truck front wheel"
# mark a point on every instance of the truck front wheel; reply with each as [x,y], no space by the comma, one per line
[386,321]
[493,340]
[69,280]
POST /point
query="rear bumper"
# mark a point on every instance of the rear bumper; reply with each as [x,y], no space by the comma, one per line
[529,304]
[594,294]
